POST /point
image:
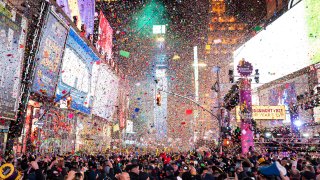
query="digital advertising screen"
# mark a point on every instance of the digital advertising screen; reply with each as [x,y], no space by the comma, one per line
[87,10]
[106,93]
[75,75]
[13,31]
[83,9]
[104,44]
[74,11]
[284,94]
[290,43]
[49,56]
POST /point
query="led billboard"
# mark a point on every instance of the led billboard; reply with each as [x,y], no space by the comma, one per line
[49,56]
[75,76]
[106,93]
[287,45]
[87,10]
[84,11]
[13,30]
[104,43]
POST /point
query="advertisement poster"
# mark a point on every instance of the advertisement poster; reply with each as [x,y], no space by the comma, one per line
[13,31]
[265,112]
[75,12]
[87,10]
[104,44]
[283,95]
[49,56]
[75,76]
[84,11]
[65,7]
[105,98]
[292,39]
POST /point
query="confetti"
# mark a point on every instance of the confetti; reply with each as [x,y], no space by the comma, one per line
[124,54]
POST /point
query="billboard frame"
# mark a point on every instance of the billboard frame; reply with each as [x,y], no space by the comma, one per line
[8,6]
[63,23]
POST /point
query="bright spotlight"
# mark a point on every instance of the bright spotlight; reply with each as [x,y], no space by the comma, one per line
[268,134]
[306,135]
[298,123]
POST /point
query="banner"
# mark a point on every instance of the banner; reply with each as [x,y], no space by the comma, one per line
[104,44]
[13,31]
[265,113]
[75,76]
[49,55]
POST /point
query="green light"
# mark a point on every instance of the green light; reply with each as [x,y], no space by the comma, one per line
[153,13]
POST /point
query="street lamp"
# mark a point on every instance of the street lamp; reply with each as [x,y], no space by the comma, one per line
[298,123]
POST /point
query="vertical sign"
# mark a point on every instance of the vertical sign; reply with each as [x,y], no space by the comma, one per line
[104,44]
[245,69]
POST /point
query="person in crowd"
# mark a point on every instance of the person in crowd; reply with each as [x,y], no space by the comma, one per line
[168,166]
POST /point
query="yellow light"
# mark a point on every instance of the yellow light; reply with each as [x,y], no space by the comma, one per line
[176,57]
[200,64]
[160,39]
[208,47]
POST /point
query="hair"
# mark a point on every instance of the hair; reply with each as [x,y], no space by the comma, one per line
[310,168]
[295,175]
[78,176]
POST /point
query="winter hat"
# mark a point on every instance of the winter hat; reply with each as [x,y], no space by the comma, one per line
[273,169]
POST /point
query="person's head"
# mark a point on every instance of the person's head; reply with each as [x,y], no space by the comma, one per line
[295,175]
[309,168]
[193,170]
[175,166]
[124,176]
[318,169]
[60,162]
[135,169]
[78,176]
[306,175]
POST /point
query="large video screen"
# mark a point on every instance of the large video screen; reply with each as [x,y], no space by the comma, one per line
[75,76]
[49,56]
[287,45]
[106,93]
[13,31]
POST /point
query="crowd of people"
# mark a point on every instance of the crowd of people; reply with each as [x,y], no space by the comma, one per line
[168,166]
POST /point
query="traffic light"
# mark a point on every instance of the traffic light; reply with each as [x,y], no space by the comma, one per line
[231,76]
[158,98]
[69,101]
[256,76]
